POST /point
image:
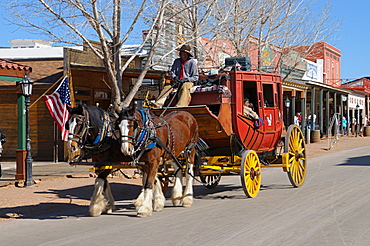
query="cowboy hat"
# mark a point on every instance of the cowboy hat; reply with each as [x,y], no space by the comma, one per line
[186,48]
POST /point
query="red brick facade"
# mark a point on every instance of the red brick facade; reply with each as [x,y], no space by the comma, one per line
[331,60]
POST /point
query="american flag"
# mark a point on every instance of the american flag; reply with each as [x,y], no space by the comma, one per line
[57,105]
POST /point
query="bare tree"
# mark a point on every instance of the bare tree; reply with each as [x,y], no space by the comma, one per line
[70,21]
[278,25]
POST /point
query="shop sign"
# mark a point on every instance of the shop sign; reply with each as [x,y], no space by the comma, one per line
[353,101]
[153,91]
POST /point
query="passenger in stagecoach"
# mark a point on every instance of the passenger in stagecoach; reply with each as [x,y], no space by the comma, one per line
[248,110]
[184,73]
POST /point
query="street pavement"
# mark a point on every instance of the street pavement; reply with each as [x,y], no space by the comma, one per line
[46,170]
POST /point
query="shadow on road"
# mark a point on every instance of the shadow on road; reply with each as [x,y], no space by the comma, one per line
[221,191]
[357,161]
[59,210]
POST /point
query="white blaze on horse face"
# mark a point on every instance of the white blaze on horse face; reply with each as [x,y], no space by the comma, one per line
[126,146]
[72,126]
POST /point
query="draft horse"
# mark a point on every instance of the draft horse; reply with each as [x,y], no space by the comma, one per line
[92,131]
[152,141]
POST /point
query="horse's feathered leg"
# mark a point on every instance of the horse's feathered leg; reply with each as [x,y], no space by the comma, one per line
[177,187]
[98,201]
[139,200]
[109,196]
[102,200]
[159,199]
[188,192]
[146,207]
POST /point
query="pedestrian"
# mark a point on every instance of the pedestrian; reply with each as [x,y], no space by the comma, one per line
[354,123]
[2,141]
[311,123]
[362,125]
[297,119]
[184,72]
[344,125]
[364,121]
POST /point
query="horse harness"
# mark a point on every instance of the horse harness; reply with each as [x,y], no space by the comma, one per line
[145,138]
[102,140]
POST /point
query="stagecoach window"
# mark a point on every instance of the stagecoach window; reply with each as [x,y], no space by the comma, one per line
[250,92]
[268,95]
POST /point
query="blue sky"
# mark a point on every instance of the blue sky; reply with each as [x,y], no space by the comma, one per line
[352,37]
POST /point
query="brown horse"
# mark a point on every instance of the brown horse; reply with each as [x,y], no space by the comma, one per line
[91,130]
[153,141]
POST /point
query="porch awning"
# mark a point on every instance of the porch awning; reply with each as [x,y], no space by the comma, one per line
[11,71]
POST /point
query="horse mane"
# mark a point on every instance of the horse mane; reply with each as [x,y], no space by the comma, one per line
[96,115]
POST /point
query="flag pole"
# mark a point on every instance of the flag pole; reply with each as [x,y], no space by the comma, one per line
[38,99]
[72,92]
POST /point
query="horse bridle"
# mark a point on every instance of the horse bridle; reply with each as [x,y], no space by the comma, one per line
[83,123]
[140,134]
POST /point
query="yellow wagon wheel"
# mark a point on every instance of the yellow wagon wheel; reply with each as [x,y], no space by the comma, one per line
[296,148]
[209,181]
[250,173]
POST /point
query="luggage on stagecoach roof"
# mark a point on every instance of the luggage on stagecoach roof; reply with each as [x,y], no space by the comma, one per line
[244,63]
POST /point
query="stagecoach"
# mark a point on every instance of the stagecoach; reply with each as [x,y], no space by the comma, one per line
[212,132]
[231,143]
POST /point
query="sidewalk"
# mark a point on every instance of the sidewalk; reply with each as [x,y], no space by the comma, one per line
[47,170]
[40,171]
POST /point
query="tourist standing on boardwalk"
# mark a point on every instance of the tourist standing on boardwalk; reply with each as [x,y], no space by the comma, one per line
[344,125]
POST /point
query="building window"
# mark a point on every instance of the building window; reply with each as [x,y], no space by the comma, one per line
[328,71]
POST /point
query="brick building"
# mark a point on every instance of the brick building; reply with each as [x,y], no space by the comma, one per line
[330,57]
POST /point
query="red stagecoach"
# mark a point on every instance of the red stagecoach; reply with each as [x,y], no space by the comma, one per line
[232,143]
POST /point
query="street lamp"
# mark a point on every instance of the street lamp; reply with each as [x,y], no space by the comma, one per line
[287,105]
[26,86]
[358,119]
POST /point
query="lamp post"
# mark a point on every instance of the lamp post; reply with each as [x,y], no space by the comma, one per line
[26,85]
[358,119]
[287,105]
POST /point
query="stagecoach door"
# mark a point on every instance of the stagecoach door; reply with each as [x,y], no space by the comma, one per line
[269,112]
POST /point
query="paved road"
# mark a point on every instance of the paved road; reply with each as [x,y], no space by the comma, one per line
[332,208]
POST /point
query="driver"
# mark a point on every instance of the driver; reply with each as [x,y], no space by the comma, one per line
[184,73]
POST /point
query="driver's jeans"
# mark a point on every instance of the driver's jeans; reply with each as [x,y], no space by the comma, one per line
[184,95]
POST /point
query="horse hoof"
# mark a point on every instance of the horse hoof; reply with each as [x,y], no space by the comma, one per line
[95,212]
[187,201]
[159,203]
[144,212]
[176,201]
[158,208]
